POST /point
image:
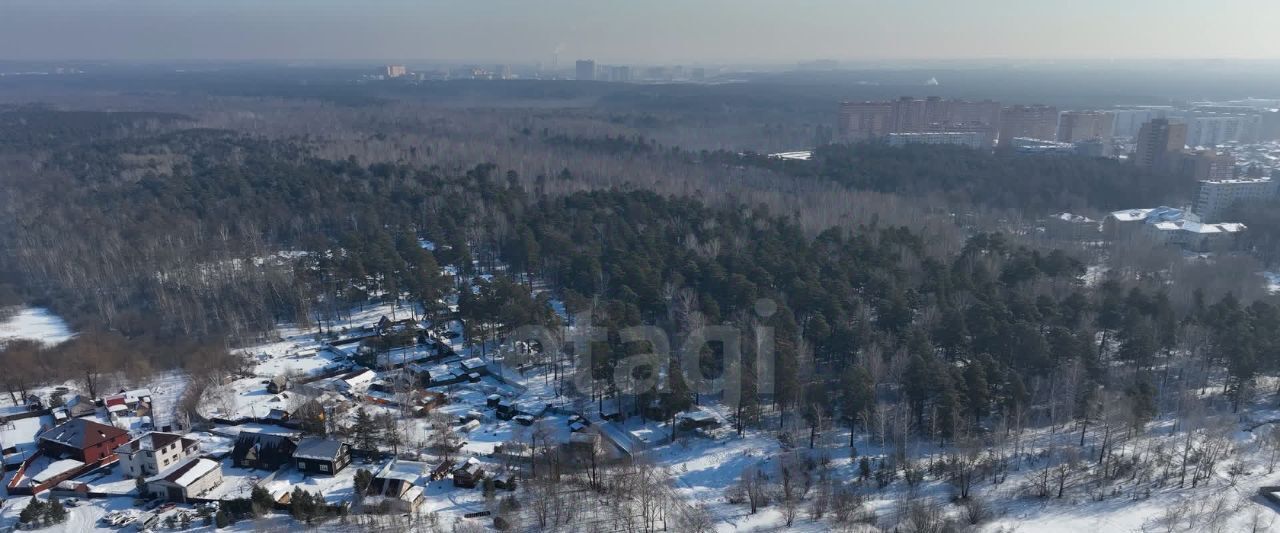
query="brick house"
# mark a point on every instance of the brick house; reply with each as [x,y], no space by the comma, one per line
[83,440]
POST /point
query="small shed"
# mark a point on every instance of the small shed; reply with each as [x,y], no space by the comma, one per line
[698,419]
[442,470]
[278,385]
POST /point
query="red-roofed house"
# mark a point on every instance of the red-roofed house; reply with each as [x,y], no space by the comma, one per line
[83,440]
[64,452]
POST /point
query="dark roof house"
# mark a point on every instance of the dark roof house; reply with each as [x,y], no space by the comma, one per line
[262,450]
[322,456]
[468,474]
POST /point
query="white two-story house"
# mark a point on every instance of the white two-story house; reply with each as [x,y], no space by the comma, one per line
[155,452]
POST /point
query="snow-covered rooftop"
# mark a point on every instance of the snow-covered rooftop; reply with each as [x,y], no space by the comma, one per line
[55,469]
[194,471]
[317,449]
[409,471]
[1200,228]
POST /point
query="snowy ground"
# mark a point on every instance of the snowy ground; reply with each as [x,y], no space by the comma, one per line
[1094,274]
[704,468]
[337,488]
[236,482]
[21,434]
[243,399]
[1273,281]
[83,517]
[34,323]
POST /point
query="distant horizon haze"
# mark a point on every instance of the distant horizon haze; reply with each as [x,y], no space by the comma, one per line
[547,32]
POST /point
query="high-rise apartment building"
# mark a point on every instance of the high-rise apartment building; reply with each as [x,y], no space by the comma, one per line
[1210,165]
[1206,129]
[1218,196]
[972,139]
[1158,142]
[395,71]
[586,69]
[974,112]
[1078,126]
[874,120]
[1031,122]
[1127,122]
[986,132]
[1269,125]
[862,121]
[909,115]
[616,73]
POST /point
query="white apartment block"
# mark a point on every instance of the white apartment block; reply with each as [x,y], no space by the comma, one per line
[972,139]
[1217,196]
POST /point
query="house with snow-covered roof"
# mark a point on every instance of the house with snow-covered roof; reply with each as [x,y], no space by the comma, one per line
[317,455]
[355,381]
[1177,227]
[184,481]
[64,452]
[398,486]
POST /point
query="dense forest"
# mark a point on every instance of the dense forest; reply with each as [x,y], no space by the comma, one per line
[1003,179]
[202,234]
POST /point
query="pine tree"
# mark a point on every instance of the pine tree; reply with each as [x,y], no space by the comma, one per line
[389,433]
[951,334]
[976,390]
[301,505]
[365,431]
[33,512]
[221,519]
[918,382]
[857,397]
[55,512]
[261,501]
[1138,343]
[1143,401]
[361,482]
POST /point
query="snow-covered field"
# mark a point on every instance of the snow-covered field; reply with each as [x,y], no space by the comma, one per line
[34,323]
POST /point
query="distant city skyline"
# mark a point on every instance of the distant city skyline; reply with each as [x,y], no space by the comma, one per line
[652,32]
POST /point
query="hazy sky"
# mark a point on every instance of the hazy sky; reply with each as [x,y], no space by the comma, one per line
[637,31]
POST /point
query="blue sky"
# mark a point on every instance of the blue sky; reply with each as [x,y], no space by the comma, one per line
[637,31]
